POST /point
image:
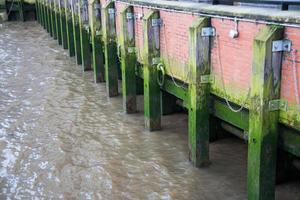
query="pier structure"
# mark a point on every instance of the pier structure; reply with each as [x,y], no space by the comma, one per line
[227,66]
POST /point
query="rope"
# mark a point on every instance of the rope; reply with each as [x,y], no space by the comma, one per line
[223,84]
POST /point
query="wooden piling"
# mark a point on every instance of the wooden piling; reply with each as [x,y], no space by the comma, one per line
[128,60]
[57,21]
[69,28]
[76,31]
[63,24]
[96,40]
[53,21]
[49,24]
[84,30]
[263,123]
[199,92]
[110,49]
[152,93]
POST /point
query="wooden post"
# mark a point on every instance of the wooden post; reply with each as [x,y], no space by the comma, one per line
[69,28]
[63,24]
[263,123]
[49,25]
[57,21]
[128,60]
[110,49]
[96,37]
[40,12]
[84,36]
[76,31]
[199,92]
[37,11]
[152,93]
[45,15]
[53,21]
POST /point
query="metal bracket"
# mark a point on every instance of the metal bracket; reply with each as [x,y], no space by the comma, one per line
[111,11]
[131,49]
[281,45]
[155,61]
[157,22]
[278,104]
[208,31]
[129,15]
[207,78]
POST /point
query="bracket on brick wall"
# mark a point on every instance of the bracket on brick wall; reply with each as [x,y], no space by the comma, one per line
[207,78]
[208,31]
[278,104]
[281,45]
[156,22]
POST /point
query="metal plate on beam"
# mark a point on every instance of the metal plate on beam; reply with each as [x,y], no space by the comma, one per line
[281,45]
[208,31]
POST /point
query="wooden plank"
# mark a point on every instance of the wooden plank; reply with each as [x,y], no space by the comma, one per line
[152,93]
[263,124]
[199,94]
[69,28]
[96,41]
[76,32]
[128,60]
[84,36]
[110,49]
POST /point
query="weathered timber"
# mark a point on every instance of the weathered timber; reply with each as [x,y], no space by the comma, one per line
[199,93]
[96,40]
[85,36]
[152,92]
[57,21]
[128,60]
[44,14]
[263,123]
[63,26]
[110,48]
[53,21]
[76,31]
[49,24]
[37,11]
[69,28]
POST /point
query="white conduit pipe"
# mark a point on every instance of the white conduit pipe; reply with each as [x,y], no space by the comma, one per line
[213,16]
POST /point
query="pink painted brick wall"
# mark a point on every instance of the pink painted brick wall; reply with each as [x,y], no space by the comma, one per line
[174,36]
[288,84]
[235,54]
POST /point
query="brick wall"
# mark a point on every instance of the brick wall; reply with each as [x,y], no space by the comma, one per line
[235,55]
[287,81]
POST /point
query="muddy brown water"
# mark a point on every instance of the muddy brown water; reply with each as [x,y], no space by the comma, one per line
[62,138]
